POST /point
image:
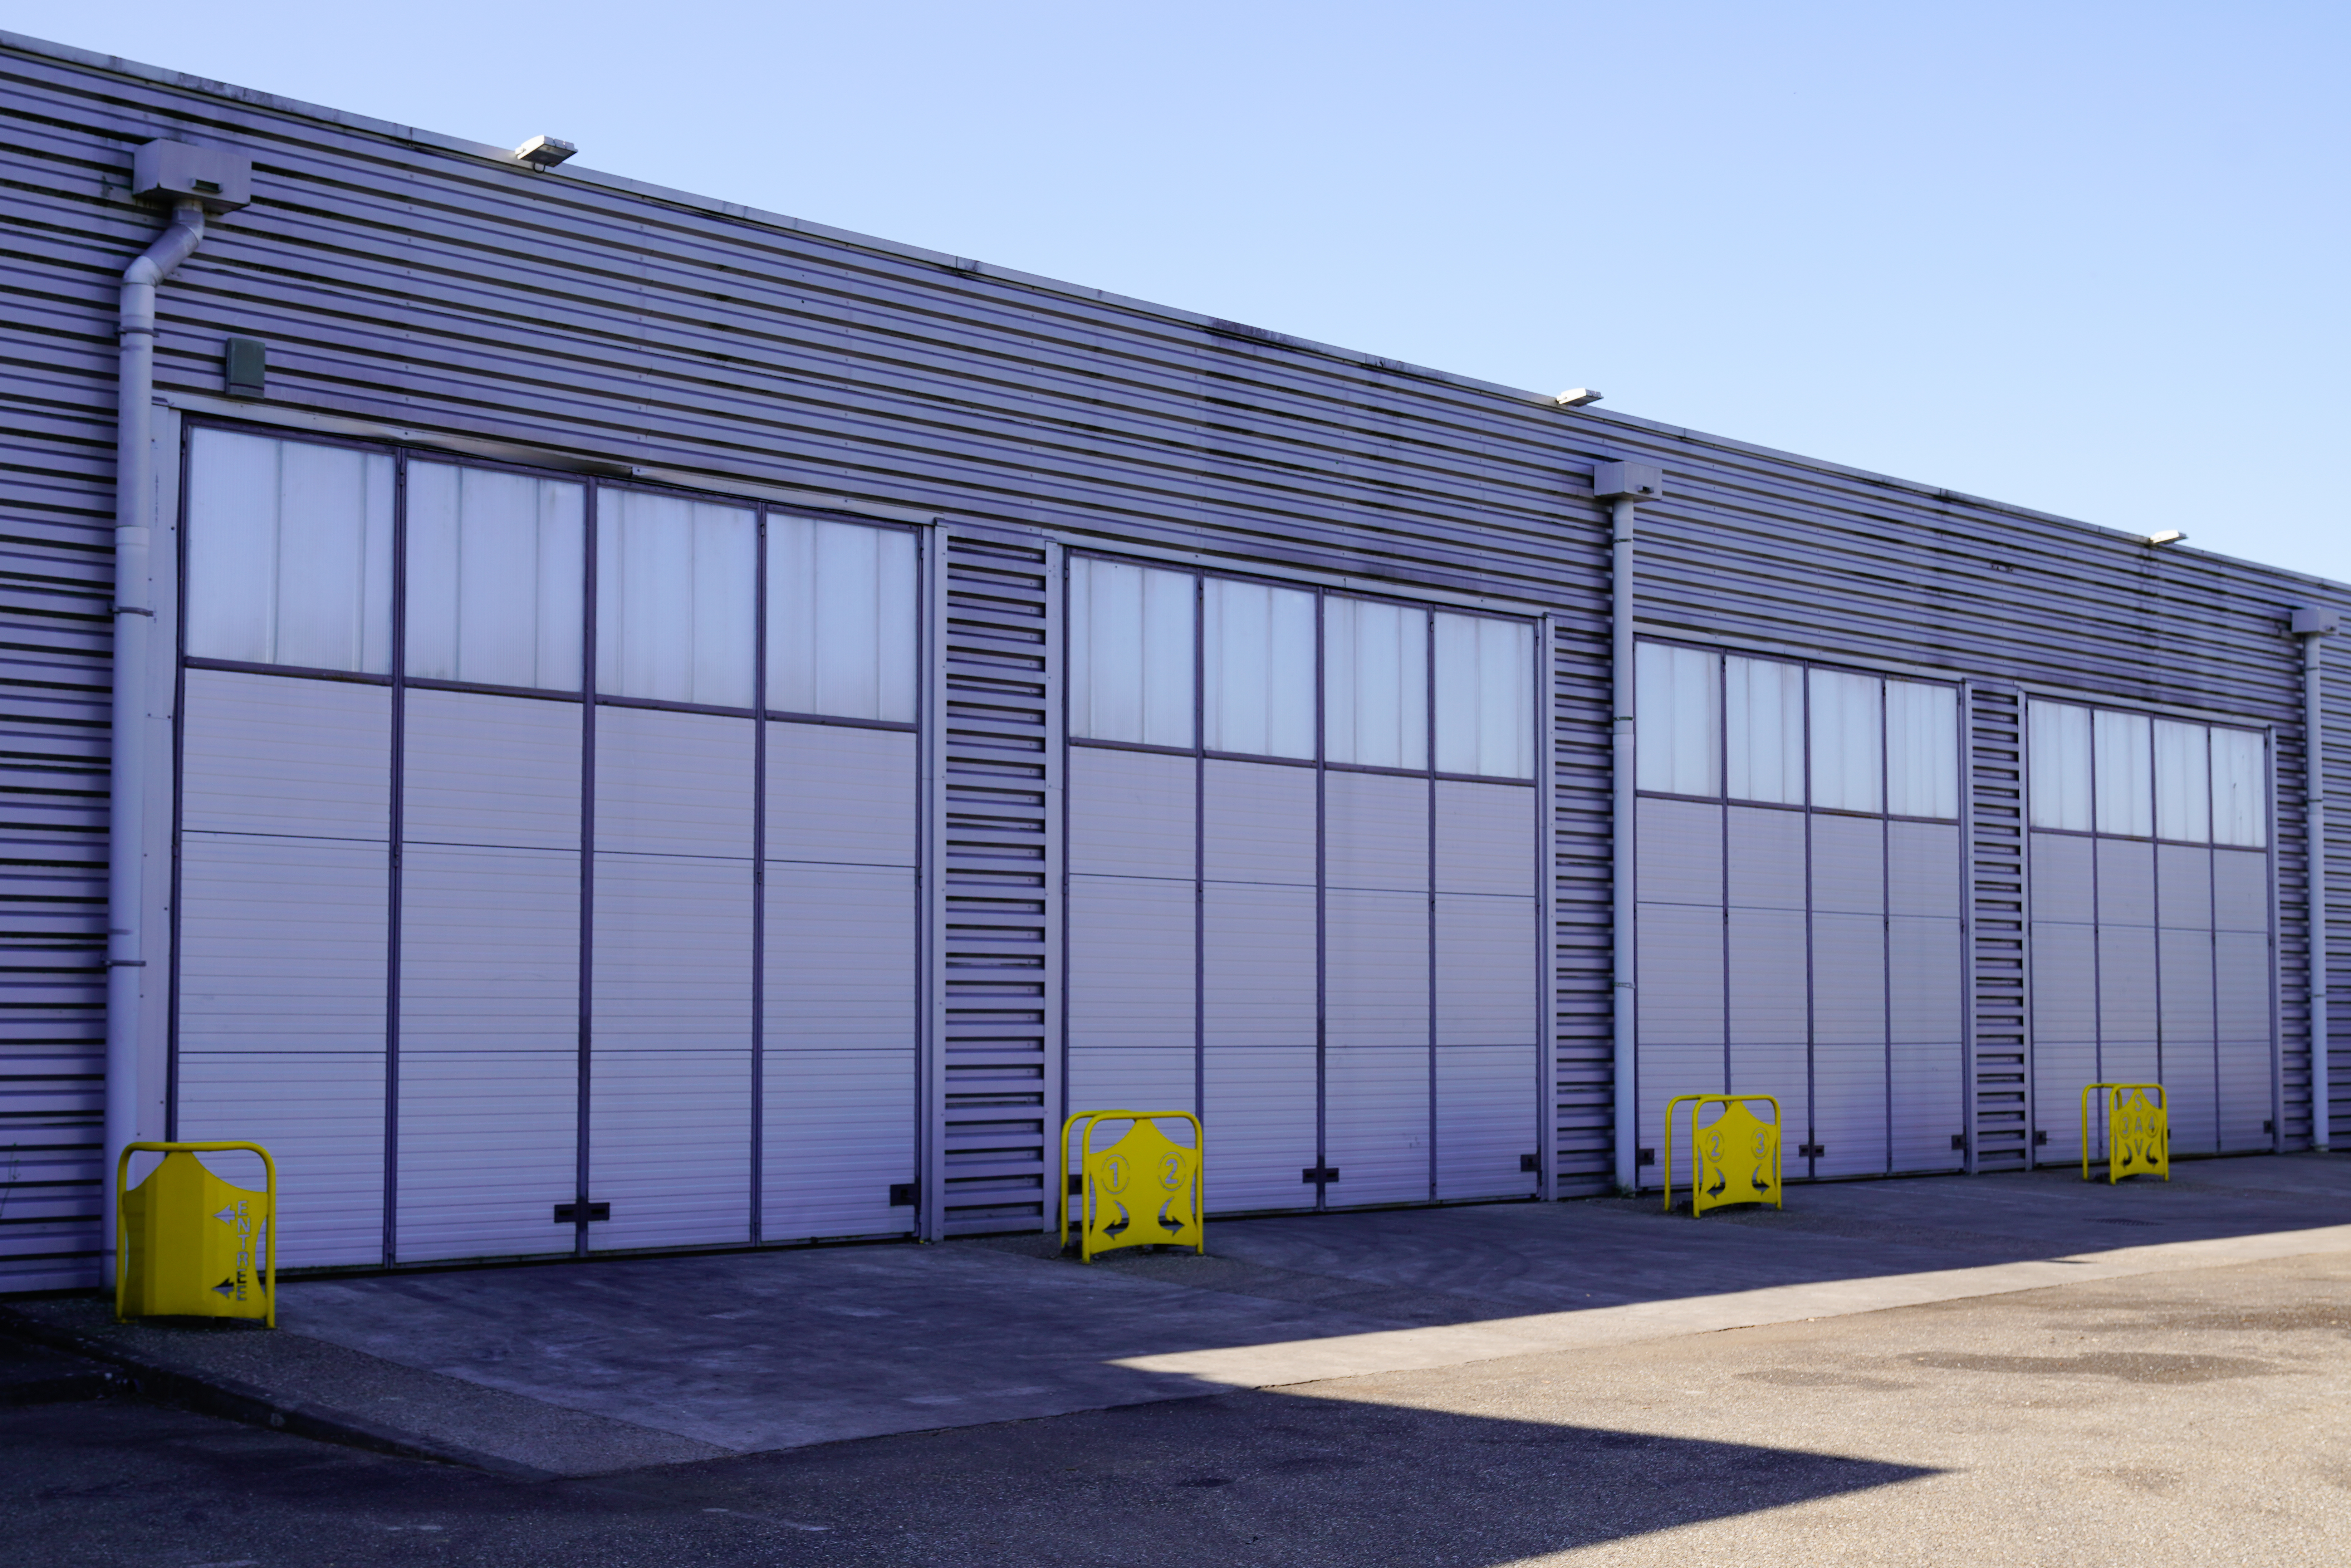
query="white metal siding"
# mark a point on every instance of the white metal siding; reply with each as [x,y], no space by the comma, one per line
[266,754]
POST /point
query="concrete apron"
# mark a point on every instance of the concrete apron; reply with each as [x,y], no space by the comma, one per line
[574,1369]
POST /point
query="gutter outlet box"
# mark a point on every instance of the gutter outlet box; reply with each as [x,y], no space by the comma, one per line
[1629,482]
[2311,620]
[167,171]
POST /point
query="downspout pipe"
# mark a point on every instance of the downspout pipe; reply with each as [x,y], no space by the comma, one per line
[2313,626]
[134,623]
[1624,485]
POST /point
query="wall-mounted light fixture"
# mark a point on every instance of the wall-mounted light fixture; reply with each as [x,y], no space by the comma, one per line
[2168,536]
[545,151]
[1576,397]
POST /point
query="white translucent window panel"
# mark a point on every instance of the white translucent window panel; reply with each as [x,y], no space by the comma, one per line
[1922,869]
[2064,885]
[1131,973]
[839,1128]
[676,582]
[2239,788]
[1376,967]
[1485,697]
[2127,982]
[289,553]
[1259,664]
[1258,964]
[1679,698]
[1375,684]
[2123,749]
[1132,813]
[2126,882]
[1679,960]
[1131,653]
[489,1143]
[282,943]
[1848,865]
[1923,1001]
[1922,749]
[1763,858]
[485,769]
[1848,741]
[2058,761]
[320,1115]
[1488,1121]
[673,783]
[280,755]
[1375,1124]
[1488,970]
[841,957]
[1375,830]
[1764,704]
[669,1147]
[1848,979]
[1679,849]
[840,794]
[2060,1069]
[1768,994]
[489,1027]
[1929,1106]
[2183,887]
[840,618]
[2183,781]
[1259,1109]
[1257,822]
[496,572]
[2241,891]
[1485,838]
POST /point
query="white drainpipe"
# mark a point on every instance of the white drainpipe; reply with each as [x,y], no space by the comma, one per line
[1624,486]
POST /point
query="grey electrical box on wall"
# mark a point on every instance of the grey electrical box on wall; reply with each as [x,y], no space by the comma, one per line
[245,367]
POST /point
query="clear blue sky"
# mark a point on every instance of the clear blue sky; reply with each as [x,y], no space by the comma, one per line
[2083,257]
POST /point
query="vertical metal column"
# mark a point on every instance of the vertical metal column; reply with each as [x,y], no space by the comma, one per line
[2313,626]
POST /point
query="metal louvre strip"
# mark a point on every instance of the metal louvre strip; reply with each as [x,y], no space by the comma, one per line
[992,915]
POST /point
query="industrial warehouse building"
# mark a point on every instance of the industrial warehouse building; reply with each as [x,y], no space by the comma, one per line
[645,723]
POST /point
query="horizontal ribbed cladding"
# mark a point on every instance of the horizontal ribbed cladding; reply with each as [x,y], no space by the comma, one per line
[1584,1022]
[56,462]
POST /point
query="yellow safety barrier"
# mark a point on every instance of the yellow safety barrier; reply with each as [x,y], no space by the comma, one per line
[1735,1158]
[1141,1190]
[2138,1131]
[190,1245]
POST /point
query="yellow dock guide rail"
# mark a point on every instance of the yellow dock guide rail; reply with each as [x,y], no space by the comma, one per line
[192,1245]
[1140,1189]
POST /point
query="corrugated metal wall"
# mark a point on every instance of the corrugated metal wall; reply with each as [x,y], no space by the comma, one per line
[437,287]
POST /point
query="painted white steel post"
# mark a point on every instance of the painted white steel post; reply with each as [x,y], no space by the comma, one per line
[134,619]
[1624,486]
[2313,626]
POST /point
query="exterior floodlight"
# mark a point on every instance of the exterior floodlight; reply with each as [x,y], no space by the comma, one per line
[1576,397]
[545,151]
[2169,537]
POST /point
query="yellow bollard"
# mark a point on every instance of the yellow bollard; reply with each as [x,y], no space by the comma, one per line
[1141,1190]
[189,1244]
[2138,1131]
[1735,1158]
